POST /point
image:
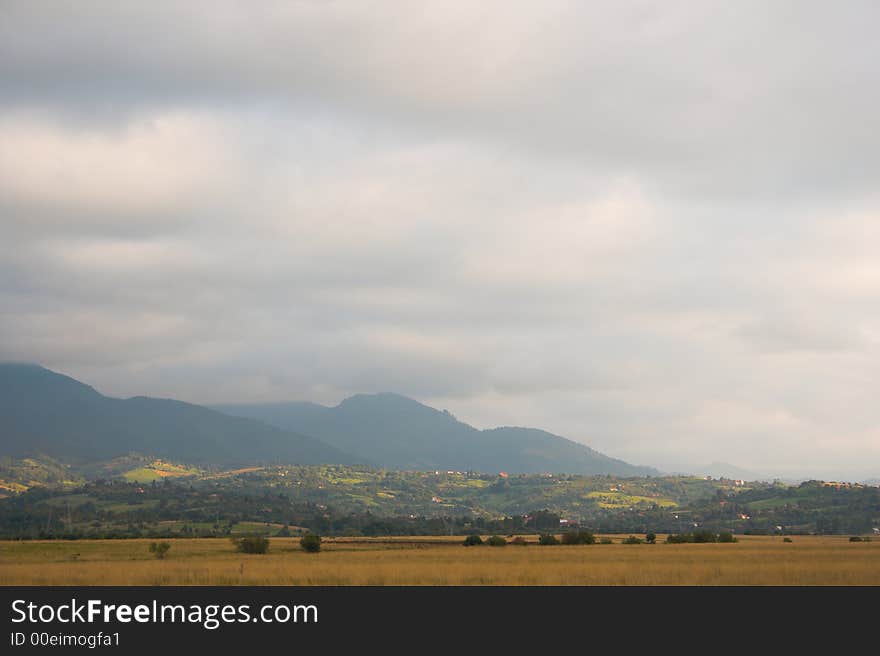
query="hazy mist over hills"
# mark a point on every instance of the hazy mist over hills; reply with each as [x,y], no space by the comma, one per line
[44,412]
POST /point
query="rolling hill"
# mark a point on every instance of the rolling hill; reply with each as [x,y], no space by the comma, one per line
[43,412]
[397,432]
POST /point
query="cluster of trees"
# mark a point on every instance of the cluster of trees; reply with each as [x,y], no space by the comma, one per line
[117,509]
[474,540]
[578,537]
[587,537]
[159,549]
[700,537]
[259,544]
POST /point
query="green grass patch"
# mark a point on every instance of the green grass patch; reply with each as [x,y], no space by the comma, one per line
[142,475]
[772,502]
[621,500]
[73,499]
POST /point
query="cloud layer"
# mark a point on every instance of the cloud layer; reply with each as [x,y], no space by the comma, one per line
[650,229]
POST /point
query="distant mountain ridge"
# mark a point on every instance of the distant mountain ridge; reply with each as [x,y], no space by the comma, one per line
[45,412]
[397,432]
[727,470]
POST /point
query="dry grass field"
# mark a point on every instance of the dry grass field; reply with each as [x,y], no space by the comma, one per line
[443,561]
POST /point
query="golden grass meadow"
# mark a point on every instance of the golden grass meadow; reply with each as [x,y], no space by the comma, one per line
[754,560]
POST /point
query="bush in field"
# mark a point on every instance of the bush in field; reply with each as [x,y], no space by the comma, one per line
[519,541]
[606,541]
[680,538]
[252,544]
[578,537]
[632,539]
[651,538]
[855,538]
[704,536]
[310,543]
[786,539]
[496,541]
[473,540]
[547,539]
[159,549]
[726,536]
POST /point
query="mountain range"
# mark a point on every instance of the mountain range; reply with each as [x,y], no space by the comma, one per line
[42,411]
[399,433]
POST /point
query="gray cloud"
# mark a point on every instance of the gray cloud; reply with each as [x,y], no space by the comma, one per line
[650,229]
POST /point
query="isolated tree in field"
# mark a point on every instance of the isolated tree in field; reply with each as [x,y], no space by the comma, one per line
[310,543]
[651,538]
[496,541]
[159,549]
[547,539]
[472,540]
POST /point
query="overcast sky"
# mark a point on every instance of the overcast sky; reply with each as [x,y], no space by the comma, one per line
[652,227]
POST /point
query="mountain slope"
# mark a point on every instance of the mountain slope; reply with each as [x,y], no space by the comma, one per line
[397,432]
[45,412]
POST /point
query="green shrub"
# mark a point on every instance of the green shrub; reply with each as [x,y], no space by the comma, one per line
[786,539]
[606,541]
[651,538]
[496,541]
[855,538]
[578,537]
[679,538]
[159,549]
[252,544]
[704,536]
[473,540]
[547,539]
[726,537]
[310,542]
[632,539]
